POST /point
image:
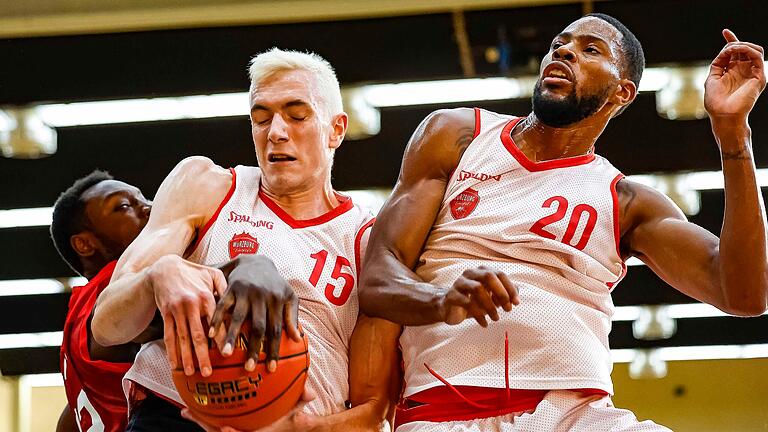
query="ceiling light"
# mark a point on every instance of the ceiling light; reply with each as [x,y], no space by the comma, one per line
[647,364]
[24,135]
[25,217]
[30,287]
[653,323]
[30,340]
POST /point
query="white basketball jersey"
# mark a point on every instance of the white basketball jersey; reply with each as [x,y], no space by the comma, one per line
[552,226]
[320,258]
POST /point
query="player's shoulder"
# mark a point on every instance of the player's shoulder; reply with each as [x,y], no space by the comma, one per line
[450,121]
[437,145]
[639,202]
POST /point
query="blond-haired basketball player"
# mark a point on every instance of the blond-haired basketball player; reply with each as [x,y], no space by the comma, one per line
[286,213]
[518,220]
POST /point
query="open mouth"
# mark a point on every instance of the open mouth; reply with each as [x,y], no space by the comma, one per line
[556,73]
[279,157]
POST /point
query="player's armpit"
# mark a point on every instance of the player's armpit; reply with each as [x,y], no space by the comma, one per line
[687,256]
[388,286]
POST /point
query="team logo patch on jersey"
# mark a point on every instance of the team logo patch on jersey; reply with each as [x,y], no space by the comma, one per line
[243,243]
[464,204]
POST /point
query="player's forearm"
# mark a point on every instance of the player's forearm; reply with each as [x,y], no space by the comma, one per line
[390,290]
[743,261]
[124,309]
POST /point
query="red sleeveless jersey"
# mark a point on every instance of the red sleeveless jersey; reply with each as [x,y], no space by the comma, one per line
[93,387]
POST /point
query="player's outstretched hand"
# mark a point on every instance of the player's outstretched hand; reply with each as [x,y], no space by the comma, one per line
[294,421]
[736,79]
[479,292]
[184,293]
[256,289]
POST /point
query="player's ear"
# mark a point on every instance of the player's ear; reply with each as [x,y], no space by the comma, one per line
[339,125]
[84,243]
[625,93]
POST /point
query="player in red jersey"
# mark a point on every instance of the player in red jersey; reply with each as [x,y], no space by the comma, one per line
[93,222]
[506,211]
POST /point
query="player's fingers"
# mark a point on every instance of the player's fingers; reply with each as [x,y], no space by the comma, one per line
[478,314]
[199,342]
[291,313]
[219,281]
[238,317]
[482,298]
[184,344]
[730,36]
[222,307]
[258,326]
[500,296]
[510,288]
[743,52]
[169,336]
[273,335]
[208,306]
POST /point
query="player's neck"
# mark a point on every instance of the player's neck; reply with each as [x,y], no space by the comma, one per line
[308,203]
[541,142]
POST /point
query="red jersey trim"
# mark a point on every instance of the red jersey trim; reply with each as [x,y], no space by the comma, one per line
[358,240]
[617,228]
[477,123]
[215,216]
[509,143]
[345,206]
[439,404]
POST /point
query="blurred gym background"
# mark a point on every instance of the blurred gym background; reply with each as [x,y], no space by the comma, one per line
[133,87]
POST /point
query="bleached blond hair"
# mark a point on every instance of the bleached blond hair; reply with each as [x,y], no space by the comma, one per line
[275,60]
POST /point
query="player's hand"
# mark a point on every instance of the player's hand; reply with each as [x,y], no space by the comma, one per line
[295,420]
[736,79]
[184,293]
[478,292]
[256,289]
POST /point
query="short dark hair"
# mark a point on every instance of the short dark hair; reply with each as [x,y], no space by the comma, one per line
[632,50]
[69,217]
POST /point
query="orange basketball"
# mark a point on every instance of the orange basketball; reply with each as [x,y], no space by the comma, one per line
[232,396]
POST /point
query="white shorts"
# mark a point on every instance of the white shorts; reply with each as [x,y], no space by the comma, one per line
[560,411]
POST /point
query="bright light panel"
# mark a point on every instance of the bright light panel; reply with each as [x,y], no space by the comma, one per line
[446,91]
[704,352]
[30,340]
[30,287]
[24,217]
[141,110]
[377,95]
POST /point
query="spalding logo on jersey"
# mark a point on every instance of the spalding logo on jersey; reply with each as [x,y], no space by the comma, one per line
[464,204]
[243,243]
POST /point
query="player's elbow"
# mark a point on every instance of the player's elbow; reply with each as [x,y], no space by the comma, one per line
[367,295]
[100,329]
[748,306]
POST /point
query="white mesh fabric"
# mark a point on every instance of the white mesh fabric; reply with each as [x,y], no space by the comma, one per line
[558,335]
[328,326]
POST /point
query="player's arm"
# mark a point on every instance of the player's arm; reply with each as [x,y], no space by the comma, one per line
[67,422]
[389,288]
[374,361]
[152,275]
[730,273]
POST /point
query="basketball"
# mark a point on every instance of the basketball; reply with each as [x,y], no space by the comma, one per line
[232,396]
